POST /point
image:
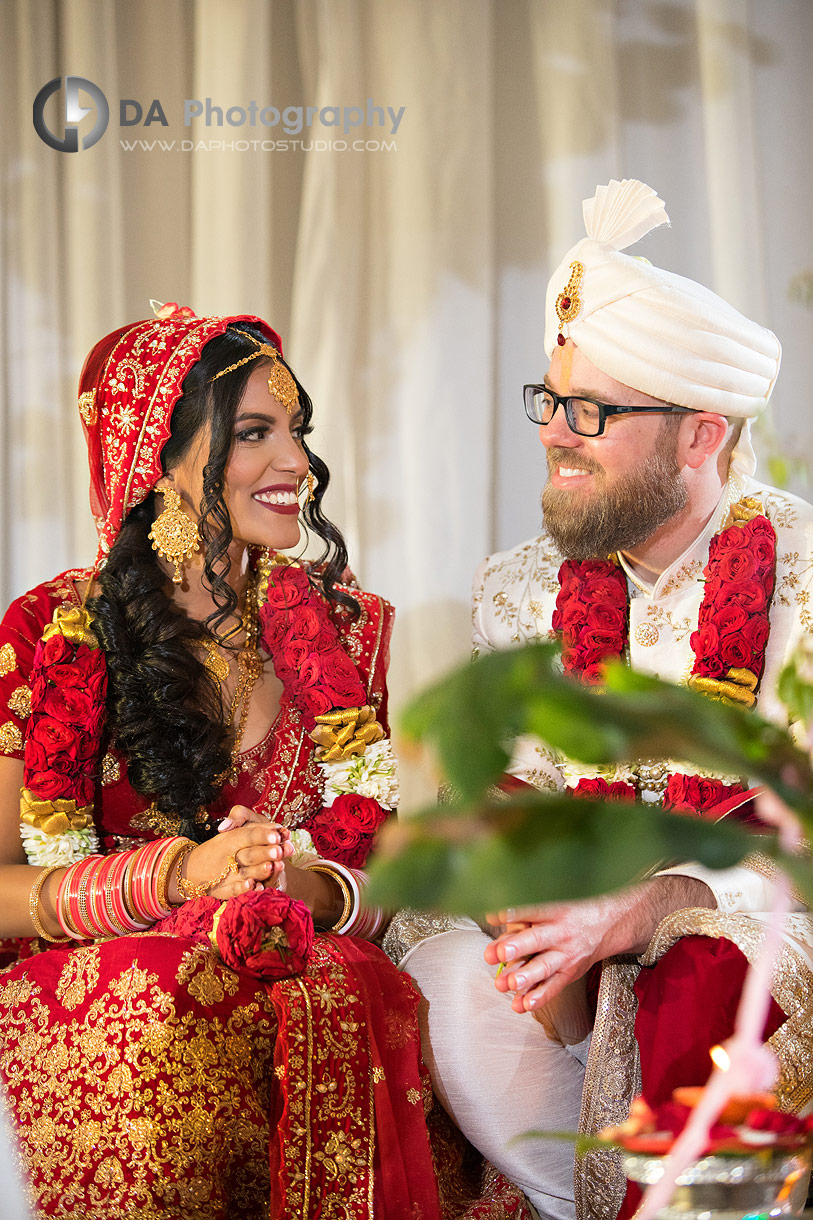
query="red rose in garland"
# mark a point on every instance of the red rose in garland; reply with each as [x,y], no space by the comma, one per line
[604,790]
[591,616]
[733,625]
[308,657]
[68,687]
[344,830]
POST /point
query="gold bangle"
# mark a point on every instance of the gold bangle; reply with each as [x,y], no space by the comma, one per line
[34,903]
[177,852]
[188,889]
[344,918]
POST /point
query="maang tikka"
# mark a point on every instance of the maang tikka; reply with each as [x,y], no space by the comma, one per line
[174,535]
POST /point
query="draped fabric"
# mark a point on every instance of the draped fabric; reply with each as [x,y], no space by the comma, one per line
[408,284]
[147,1078]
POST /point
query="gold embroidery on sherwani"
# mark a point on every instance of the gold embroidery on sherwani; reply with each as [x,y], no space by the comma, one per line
[612,1078]
[791,987]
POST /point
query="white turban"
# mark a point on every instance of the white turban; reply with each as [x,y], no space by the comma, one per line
[652,330]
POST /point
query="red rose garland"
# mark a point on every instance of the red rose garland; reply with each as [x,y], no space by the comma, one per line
[309,660]
[320,679]
[733,624]
[345,830]
[697,794]
[592,616]
[600,789]
[63,741]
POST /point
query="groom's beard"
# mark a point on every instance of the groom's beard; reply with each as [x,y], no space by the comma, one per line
[613,518]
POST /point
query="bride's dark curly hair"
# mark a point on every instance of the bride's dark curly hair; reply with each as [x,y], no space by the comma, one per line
[164,707]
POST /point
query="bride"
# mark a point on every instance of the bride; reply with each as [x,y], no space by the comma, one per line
[197,717]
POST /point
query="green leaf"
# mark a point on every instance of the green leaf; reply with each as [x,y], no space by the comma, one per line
[539,847]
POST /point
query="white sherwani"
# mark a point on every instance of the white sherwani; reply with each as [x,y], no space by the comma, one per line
[543,1081]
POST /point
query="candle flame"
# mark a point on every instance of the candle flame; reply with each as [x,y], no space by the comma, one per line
[720,1058]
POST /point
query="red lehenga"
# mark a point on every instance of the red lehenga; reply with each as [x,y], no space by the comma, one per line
[147,1079]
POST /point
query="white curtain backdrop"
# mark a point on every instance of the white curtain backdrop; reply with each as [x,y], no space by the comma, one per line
[407,281]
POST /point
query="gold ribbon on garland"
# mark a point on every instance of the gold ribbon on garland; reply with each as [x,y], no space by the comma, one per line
[53,817]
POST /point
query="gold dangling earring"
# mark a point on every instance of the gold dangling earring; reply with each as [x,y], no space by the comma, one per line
[311,483]
[174,535]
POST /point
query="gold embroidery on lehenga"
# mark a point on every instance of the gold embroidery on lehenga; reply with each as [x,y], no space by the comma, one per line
[162,1088]
[20,702]
[11,739]
[80,974]
[205,980]
[8,660]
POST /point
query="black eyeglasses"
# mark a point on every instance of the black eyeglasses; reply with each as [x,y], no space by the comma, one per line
[585,416]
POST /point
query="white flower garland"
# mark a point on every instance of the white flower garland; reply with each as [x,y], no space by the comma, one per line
[66,848]
[373,773]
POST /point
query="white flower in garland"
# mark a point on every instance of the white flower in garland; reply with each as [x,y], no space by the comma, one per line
[67,848]
[304,850]
[373,773]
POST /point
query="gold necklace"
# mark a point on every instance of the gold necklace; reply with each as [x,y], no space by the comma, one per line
[249,668]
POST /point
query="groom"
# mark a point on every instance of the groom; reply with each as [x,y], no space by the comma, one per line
[644,414]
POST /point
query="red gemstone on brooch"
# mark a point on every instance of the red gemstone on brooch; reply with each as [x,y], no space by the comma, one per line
[560,339]
[565,302]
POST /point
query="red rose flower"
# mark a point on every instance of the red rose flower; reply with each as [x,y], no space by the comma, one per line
[265,933]
[67,675]
[48,786]
[309,670]
[763,548]
[729,619]
[735,652]
[275,630]
[756,631]
[607,643]
[344,830]
[362,811]
[340,678]
[750,594]
[593,675]
[54,651]
[52,734]
[285,592]
[736,539]
[319,704]
[736,566]
[605,617]
[72,705]
[608,590]
[601,789]
[295,653]
[760,526]
[308,623]
[705,643]
[572,616]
